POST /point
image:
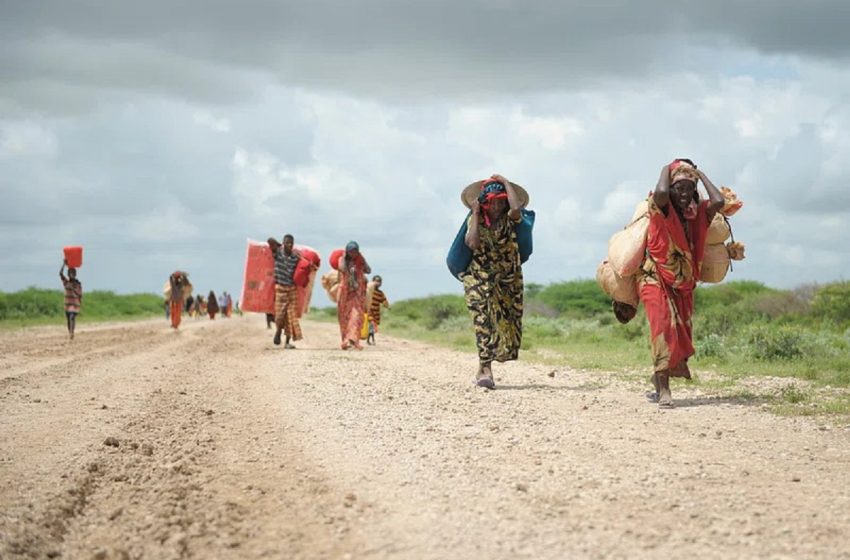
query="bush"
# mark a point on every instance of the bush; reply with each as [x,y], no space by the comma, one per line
[37,303]
[712,346]
[832,303]
[728,294]
[579,298]
[431,311]
[775,343]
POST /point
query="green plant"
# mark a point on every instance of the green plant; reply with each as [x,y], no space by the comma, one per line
[832,303]
[775,343]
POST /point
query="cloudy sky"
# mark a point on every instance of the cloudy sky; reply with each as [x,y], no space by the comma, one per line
[161,135]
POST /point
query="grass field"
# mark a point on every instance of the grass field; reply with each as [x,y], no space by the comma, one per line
[35,306]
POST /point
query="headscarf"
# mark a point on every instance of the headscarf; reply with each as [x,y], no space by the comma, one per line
[684,171]
[352,265]
[490,191]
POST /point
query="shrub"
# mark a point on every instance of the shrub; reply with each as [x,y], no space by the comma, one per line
[712,346]
[832,303]
[431,311]
[775,343]
[579,298]
[728,294]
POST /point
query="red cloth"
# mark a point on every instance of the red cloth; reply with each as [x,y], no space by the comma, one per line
[667,282]
[176,313]
[351,303]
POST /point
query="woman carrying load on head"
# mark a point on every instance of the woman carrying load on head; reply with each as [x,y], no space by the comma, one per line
[675,244]
[351,298]
[493,283]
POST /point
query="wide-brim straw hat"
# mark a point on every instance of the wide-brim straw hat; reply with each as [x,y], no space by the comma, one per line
[472,191]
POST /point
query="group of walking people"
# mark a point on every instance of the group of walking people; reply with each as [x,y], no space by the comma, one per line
[179,299]
[351,294]
[492,277]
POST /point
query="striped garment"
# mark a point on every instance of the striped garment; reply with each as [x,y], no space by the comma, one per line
[284,267]
[378,299]
[73,295]
[286,316]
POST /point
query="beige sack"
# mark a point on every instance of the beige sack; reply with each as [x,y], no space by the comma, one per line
[715,264]
[370,291]
[618,288]
[187,289]
[627,247]
[330,282]
[718,231]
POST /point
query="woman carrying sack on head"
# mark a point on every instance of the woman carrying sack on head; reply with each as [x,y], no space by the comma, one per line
[493,282]
[675,244]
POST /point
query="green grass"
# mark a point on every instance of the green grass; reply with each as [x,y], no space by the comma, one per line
[35,306]
[742,330]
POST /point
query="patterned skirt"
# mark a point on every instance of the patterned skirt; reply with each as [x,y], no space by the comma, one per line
[494,301]
[285,310]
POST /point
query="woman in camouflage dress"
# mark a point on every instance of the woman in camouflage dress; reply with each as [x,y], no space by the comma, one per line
[493,281]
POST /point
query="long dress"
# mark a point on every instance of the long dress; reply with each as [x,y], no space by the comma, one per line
[667,281]
[351,298]
[212,305]
[493,287]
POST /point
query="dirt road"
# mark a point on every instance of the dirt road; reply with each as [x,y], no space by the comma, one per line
[137,442]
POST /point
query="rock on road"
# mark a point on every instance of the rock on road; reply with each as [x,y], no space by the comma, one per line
[137,442]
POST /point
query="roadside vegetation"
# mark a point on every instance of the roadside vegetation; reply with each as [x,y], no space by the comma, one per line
[787,348]
[35,306]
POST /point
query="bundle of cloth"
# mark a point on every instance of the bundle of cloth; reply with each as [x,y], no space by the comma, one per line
[330,282]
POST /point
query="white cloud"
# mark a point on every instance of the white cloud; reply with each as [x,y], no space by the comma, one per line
[216,124]
[26,139]
[173,224]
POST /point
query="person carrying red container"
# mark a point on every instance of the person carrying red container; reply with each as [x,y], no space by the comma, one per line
[73,296]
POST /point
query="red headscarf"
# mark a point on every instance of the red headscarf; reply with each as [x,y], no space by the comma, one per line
[490,191]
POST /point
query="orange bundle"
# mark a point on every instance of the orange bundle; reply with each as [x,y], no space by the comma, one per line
[732,204]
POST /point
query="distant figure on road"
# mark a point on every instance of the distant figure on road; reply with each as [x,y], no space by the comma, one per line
[377,299]
[198,307]
[177,282]
[228,305]
[285,291]
[493,281]
[212,305]
[351,300]
[73,296]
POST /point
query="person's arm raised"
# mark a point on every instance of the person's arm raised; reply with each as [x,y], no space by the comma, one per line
[473,238]
[513,198]
[715,197]
[661,196]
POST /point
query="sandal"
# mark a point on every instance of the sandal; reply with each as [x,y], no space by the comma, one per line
[485,377]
